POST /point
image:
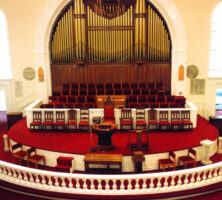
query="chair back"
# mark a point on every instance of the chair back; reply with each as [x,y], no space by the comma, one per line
[163,115]
[193,153]
[175,115]
[172,156]
[72,115]
[60,115]
[84,114]
[185,115]
[152,115]
[37,116]
[109,109]
[48,115]
[30,151]
[16,146]
[126,113]
[140,114]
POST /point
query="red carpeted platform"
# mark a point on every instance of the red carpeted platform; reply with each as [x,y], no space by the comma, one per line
[80,143]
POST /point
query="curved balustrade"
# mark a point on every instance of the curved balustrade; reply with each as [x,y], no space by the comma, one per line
[134,184]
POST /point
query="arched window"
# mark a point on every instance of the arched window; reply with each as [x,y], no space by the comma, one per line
[4,49]
[216,43]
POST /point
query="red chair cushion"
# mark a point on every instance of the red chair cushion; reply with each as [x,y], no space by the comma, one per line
[20,153]
[186,122]
[140,122]
[48,123]
[109,121]
[176,122]
[59,123]
[36,157]
[126,122]
[36,123]
[153,122]
[84,123]
[71,123]
[164,122]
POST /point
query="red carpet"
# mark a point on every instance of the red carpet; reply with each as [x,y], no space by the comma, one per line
[79,143]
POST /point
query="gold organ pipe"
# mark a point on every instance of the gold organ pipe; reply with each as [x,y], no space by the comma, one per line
[89,39]
[76,29]
[66,39]
[148,34]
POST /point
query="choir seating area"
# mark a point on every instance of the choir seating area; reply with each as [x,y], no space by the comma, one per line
[146,95]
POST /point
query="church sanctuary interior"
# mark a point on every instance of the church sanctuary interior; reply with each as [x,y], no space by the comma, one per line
[111,99]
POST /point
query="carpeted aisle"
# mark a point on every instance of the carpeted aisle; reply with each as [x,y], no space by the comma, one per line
[80,143]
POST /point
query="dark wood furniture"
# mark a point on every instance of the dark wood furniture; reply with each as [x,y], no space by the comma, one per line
[104,159]
[140,118]
[84,119]
[60,120]
[33,157]
[118,100]
[37,121]
[164,124]
[72,122]
[17,152]
[48,121]
[186,123]
[138,159]
[175,120]
[126,120]
[64,164]
[190,158]
[104,131]
[152,120]
[168,162]
[139,140]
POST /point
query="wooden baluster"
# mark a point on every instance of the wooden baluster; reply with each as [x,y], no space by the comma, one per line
[151,183]
[50,181]
[173,181]
[144,184]
[31,178]
[77,184]
[99,184]
[192,178]
[166,182]
[56,181]
[121,184]
[159,182]
[130,184]
[84,184]
[63,182]
[25,176]
[204,175]
[137,186]
[92,185]
[70,183]
[210,174]
[198,177]
[43,180]
[37,178]
[114,184]
[186,178]
[107,185]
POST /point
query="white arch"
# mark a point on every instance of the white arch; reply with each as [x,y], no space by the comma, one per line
[166,8]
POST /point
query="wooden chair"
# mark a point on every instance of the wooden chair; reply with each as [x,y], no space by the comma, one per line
[84,119]
[109,111]
[33,157]
[191,158]
[175,120]
[37,121]
[72,122]
[164,124]
[152,120]
[140,118]
[18,152]
[48,121]
[126,119]
[60,120]
[168,162]
[186,124]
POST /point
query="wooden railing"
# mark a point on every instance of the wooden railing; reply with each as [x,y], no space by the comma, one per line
[134,184]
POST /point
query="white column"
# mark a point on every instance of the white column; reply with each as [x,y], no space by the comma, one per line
[206,145]
[219,147]
[178,59]
[5,138]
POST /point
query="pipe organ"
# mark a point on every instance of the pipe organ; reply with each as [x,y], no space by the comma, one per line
[105,31]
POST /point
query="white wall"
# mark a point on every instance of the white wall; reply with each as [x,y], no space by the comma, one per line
[23,18]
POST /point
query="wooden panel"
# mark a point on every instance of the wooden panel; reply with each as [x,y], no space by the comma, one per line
[113,73]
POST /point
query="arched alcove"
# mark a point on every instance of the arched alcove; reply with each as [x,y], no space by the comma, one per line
[166,8]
